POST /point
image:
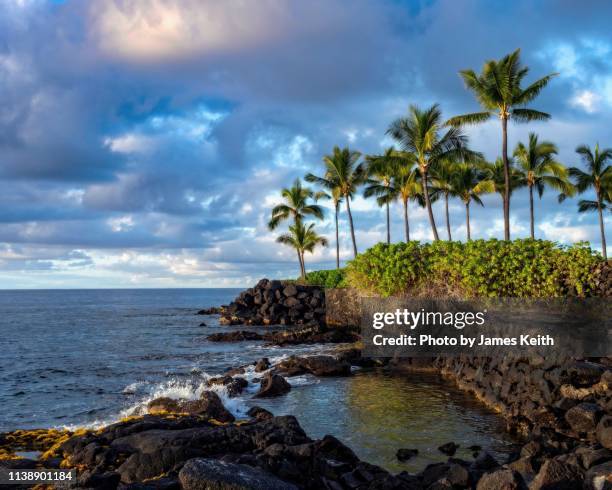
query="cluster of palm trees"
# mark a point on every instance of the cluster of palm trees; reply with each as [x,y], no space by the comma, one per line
[432,160]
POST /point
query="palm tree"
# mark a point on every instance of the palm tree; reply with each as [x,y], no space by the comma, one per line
[442,179]
[420,134]
[303,238]
[499,92]
[296,205]
[539,169]
[407,187]
[599,177]
[380,170]
[495,174]
[334,194]
[468,183]
[342,168]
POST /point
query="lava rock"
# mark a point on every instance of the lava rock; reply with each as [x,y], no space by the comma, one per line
[237,336]
[273,385]
[212,474]
[259,413]
[502,479]
[449,448]
[404,454]
[604,431]
[209,405]
[583,417]
[262,365]
[556,475]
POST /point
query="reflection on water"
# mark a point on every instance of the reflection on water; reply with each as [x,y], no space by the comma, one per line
[376,414]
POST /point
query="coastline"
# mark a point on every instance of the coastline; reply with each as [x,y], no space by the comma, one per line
[270,443]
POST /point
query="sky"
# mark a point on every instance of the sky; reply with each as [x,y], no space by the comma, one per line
[143,142]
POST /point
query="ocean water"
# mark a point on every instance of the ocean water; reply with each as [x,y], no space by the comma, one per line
[73,358]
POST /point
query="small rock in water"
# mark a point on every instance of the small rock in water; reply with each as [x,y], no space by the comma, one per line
[273,385]
[404,454]
[262,365]
[259,413]
[449,448]
[203,324]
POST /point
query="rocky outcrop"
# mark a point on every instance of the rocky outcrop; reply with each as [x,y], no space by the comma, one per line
[189,452]
[272,302]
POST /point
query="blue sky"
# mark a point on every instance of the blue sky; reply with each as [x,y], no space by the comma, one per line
[143,142]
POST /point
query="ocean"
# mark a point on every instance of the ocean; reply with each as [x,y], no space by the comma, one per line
[74,358]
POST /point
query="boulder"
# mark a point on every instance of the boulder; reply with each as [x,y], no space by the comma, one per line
[259,413]
[321,365]
[583,417]
[327,366]
[209,405]
[604,431]
[404,454]
[599,477]
[212,474]
[290,290]
[262,365]
[555,475]
[449,448]
[273,385]
[502,479]
[233,385]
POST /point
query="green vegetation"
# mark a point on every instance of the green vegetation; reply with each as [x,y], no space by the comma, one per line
[334,278]
[480,268]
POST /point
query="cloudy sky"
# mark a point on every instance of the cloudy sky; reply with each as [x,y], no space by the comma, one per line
[142,142]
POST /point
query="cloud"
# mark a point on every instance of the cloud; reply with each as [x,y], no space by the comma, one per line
[142,142]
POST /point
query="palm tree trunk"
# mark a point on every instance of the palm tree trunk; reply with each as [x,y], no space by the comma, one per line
[388,226]
[467,217]
[406,225]
[337,240]
[301,264]
[506,178]
[531,211]
[350,217]
[448,230]
[428,203]
[604,248]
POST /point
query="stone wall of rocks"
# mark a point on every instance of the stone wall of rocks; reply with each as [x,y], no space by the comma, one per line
[272,302]
[603,279]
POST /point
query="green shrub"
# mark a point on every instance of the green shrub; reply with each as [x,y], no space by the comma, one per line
[333,278]
[484,268]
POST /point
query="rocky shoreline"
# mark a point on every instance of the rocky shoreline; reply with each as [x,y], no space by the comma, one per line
[561,408]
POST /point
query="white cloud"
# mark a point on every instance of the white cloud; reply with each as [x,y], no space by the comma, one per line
[129,143]
[122,223]
[587,100]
